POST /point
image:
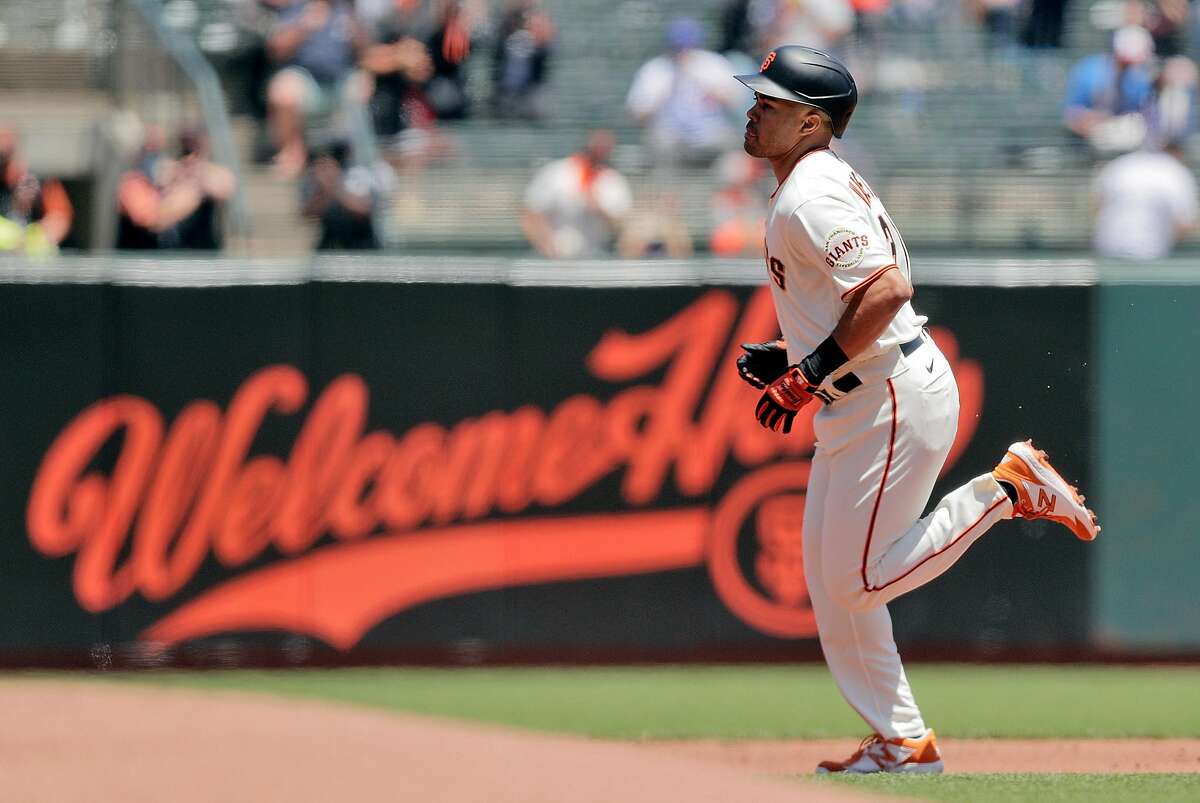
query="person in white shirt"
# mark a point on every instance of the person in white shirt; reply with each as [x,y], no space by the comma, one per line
[575,206]
[1144,202]
[684,99]
[841,281]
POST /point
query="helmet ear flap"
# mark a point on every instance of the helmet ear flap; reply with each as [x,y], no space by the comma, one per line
[839,126]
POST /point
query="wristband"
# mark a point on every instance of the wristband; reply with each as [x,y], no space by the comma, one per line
[825,359]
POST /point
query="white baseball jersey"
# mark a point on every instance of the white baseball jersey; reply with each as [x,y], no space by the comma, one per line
[880,447]
[827,236]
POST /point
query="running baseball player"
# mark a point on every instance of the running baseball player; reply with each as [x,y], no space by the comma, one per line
[841,281]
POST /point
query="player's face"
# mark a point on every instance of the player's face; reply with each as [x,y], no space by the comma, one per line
[776,126]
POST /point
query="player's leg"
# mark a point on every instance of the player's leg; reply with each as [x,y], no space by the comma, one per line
[885,549]
[858,645]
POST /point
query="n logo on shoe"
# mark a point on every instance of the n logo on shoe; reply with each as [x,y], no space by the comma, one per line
[1045,502]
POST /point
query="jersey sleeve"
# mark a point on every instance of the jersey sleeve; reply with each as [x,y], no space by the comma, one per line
[842,237]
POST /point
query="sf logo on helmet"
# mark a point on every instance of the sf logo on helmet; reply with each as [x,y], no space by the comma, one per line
[767,61]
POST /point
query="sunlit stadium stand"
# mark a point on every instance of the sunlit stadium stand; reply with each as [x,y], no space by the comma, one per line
[966,148]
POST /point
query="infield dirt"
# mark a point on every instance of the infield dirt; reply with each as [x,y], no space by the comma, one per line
[71,741]
[102,742]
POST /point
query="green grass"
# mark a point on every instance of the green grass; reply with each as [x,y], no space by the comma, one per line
[1021,788]
[766,702]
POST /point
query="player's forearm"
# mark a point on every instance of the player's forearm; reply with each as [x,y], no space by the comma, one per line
[869,312]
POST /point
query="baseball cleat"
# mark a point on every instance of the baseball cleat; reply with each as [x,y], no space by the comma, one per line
[877,754]
[1042,493]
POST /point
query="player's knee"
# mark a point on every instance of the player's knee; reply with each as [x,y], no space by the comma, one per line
[848,591]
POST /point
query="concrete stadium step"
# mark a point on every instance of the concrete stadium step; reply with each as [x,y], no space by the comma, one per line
[273,208]
[66,70]
[55,130]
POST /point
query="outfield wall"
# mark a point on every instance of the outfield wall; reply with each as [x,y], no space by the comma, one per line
[379,460]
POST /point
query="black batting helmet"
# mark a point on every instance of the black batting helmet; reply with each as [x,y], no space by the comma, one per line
[804,75]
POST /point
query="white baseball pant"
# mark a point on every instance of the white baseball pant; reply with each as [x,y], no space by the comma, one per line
[879,451]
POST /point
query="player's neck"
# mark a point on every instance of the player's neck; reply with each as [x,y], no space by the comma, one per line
[782,167]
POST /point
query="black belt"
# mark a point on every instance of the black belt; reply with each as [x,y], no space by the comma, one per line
[849,381]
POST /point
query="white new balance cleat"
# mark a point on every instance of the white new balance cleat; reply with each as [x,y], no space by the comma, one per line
[1042,493]
[877,754]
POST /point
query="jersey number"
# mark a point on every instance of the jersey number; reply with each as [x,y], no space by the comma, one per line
[860,188]
[887,232]
[778,274]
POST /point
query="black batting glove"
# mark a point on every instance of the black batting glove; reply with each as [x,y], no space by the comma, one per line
[762,363]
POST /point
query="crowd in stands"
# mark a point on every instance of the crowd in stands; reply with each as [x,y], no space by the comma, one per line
[35,212]
[404,60]
[1133,109]
[312,69]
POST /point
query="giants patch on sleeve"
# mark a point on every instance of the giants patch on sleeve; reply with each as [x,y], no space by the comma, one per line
[845,249]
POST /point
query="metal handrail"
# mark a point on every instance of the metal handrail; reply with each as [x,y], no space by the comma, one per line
[200,73]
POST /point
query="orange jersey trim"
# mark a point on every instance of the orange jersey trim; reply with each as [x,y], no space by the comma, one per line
[867,282]
[948,546]
[887,468]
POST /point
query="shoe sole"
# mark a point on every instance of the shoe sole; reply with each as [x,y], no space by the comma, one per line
[928,768]
[1037,462]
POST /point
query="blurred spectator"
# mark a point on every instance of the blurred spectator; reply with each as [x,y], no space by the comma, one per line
[450,47]
[998,20]
[656,231]
[521,61]
[1171,116]
[1107,93]
[252,67]
[317,42]
[869,16]
[409,17]
[401,65]
[35,214]
[823,24]
[342,198]
[738,207]
[575,205]
[1144,201]
[166,203]
[739,33]
[683,97]
[1044,25]
[1166,20]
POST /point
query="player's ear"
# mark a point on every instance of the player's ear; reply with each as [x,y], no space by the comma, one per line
[811,123]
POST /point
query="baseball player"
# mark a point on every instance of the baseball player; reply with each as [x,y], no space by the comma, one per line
[841,281]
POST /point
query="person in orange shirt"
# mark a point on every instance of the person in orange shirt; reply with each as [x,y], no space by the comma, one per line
[36,213]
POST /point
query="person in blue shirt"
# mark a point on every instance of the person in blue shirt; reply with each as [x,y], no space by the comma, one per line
[1109,87]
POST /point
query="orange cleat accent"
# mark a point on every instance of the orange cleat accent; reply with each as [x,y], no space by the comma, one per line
[1042,493]
[877,754]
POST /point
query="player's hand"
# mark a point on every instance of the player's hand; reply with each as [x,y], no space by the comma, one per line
[762,363]
[783,398]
